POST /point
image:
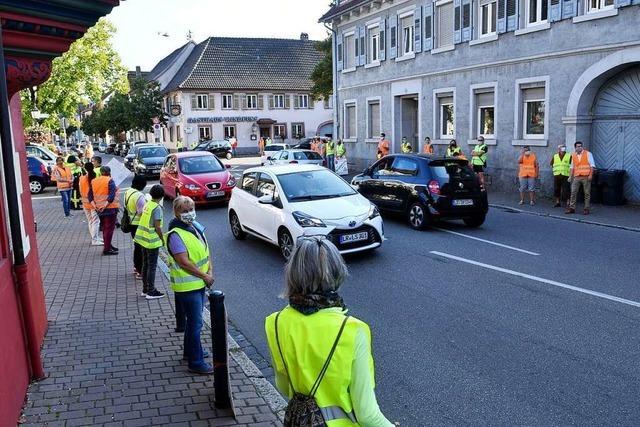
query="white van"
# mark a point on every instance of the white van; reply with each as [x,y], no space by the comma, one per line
[42,153]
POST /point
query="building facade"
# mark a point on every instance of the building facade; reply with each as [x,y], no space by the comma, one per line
[243,88]
[518,72]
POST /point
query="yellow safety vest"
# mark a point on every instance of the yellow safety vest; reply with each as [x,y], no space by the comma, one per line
[341,150]
[198,252]
[480,159]
[453,151]
[131,205]
[561,166]
[406,147]
[331,148]
[146,235]
[306,341]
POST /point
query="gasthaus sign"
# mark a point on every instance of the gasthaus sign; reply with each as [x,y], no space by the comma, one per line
[233,119]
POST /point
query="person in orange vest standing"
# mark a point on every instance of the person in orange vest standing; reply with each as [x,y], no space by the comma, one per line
[103,195]
[64,181]
[427,148]
[528,174]
[582,166]
[93,221]
[383,146]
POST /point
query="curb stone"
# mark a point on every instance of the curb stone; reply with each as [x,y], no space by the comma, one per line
[273,398]
[564,218]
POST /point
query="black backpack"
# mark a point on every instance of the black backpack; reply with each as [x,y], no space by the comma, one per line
[303,410]
[125,222]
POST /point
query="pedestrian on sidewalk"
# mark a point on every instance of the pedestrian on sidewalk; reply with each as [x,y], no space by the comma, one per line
[93,221]
[582,166]
[383,146]
[406,146]
[561,166]
[75,165]
[261,146]
[427,148]
[527,174]
[331,154]
[453,150]
[149,236]
[134,201]
[479,158]
[191,271]
[97,165]
[64,182]
[234,145]
[313,337]
[103,194]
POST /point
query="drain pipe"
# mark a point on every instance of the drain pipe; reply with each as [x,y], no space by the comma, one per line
[13,205]
[334,70]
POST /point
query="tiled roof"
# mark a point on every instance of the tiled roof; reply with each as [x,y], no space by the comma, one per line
[166,62]
[248,63]
[341,8]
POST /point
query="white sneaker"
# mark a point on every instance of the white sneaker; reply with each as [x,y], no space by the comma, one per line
[97,243]
[143,294]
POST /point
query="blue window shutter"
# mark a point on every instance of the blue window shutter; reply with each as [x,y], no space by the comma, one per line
[383,39]
[417,29]
[569,8]
[513,7]
[502,16]
[622,3]
[427,42]
[466,20]
[393,36]
[340,53]
[555,11]
[457,21]
[356,40]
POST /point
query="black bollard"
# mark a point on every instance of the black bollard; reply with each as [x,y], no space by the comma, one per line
[220,350]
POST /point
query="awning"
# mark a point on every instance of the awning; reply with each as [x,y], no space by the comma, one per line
[266,122]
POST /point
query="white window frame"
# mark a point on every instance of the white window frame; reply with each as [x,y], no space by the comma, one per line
[601,6]
[276,98]
[412,31]
[306,103]
[437,119]
[491,4]
[474,112]
[519,118]
[373,100]
[282,126]
[202,101]
[228,97]
[539,20]
[210,132]
[374,46]
[345,104]
[293,128]
[224,131]
[252,101]
[347,68]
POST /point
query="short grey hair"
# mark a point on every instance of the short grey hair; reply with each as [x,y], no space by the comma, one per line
[182,204]
[315,267]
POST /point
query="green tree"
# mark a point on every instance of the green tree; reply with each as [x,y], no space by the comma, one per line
[117,115]
[89,70]
[322,75]
[146,104]
[94,124]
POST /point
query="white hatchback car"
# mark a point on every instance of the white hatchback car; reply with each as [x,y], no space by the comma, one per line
[281,203]
[271,150]
[302,157]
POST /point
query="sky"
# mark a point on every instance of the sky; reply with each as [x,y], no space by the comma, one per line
[142,23]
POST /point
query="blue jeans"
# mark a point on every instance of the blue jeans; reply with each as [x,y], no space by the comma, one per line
[192,304]
[331,162]
[66,201]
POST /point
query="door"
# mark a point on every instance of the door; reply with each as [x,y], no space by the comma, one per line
[266,215]
[377,188]
[404,177]
[169,176]
[245,201]
[265,132]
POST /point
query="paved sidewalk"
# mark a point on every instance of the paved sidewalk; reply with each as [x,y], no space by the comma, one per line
[626,217]
[112,357]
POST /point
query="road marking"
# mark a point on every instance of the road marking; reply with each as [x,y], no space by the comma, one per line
[46,197]
[513,248]
[540,279]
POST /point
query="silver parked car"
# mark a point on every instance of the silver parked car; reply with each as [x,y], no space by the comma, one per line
[291,156]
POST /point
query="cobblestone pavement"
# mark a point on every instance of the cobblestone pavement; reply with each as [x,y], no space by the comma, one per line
[112,357]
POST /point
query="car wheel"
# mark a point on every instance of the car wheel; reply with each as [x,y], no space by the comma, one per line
[417,216]
[228,156]
[285,242]
[35,186]
[474,221]
[236,228]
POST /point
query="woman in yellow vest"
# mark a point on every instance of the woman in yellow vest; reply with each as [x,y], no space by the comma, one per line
[561,166]
[302,335]
[190,271]
[149,236]
[63,176]
[134,202]
[93,221]
[527,174]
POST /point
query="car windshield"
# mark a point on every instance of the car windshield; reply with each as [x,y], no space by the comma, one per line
[273,148]
[153,152]
[446,169]
[198,165]
[313,185]
[307,155]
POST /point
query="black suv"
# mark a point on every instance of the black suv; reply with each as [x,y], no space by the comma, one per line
[219,148]
[425,188]
[149,159]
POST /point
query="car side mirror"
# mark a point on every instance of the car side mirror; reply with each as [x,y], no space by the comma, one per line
[269,158]
[227,166]
[266,200]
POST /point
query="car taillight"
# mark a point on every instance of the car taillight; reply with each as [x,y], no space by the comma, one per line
[294,161]
[434,187]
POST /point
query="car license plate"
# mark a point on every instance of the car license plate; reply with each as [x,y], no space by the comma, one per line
[215,193]
[463,202]
[356,237]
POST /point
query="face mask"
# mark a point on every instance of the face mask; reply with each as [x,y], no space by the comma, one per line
[563,149]
[526,153]
[188,217]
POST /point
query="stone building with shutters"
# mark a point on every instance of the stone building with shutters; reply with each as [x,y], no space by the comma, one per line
[242,87]
[518,72]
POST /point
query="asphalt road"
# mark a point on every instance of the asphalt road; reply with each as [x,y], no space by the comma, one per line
[536,324]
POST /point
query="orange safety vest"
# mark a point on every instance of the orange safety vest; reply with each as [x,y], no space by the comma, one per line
[66,175]
[383,147]
[581,167]
[427,149]
[528,166]
[84,192]
[100,188]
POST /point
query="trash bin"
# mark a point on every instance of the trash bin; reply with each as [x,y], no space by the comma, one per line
[596,190]
[611,184]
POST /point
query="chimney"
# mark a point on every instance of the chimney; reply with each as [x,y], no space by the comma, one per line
[138,71]
[304,36]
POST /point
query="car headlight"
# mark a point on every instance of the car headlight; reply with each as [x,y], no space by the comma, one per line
[373,211]
[141,165]
[307,220]
[192,187]
[231,182]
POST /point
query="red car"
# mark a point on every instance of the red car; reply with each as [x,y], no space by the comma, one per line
[197,174]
